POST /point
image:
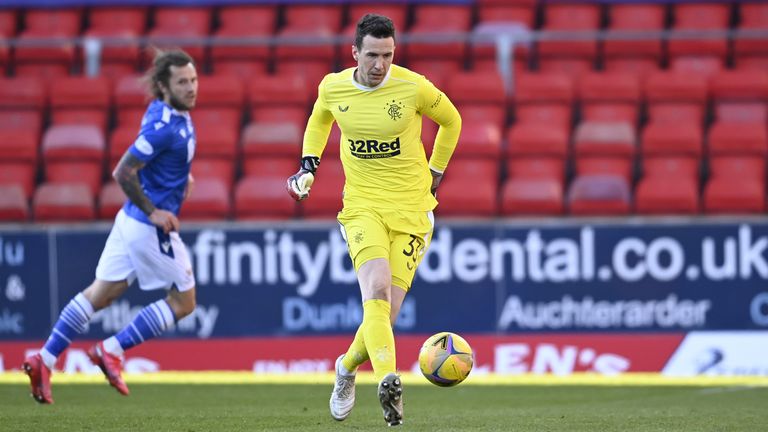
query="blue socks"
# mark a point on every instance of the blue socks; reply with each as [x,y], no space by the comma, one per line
[73,320]
[152,321]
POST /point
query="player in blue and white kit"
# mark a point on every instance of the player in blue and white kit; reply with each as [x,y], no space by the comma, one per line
[144,243]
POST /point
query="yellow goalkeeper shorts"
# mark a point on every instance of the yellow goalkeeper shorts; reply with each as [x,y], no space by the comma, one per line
[401,237]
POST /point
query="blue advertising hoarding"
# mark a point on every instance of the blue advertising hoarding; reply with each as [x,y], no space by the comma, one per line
[479,278]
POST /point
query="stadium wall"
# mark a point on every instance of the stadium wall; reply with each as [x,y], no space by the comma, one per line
[676,296]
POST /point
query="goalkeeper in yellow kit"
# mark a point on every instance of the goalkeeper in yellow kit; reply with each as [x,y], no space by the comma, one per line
[389,192]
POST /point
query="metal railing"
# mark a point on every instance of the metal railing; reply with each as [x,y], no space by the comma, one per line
[505,37]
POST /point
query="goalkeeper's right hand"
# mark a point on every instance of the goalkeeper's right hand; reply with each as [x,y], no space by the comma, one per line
[299,184]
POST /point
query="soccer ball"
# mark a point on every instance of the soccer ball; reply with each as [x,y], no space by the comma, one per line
[445,359]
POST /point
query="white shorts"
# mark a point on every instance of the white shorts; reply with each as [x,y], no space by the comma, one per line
[135,250]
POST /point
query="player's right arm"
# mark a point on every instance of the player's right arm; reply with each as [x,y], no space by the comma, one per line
[127,176]
[315,138]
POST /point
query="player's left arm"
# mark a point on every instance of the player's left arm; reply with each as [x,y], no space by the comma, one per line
[437,106]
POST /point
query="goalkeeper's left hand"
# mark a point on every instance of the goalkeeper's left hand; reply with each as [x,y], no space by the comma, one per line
[299,184]
[436,178]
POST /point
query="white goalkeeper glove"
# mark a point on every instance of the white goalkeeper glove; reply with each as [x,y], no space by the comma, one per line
[299,184]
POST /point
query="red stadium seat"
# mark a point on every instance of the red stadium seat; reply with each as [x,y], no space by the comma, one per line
[740,167]
[209,200]
[706,55]
[436,70]
[298,44]
[444,20]
[246,21]
[73,142]
[81,100]
[19,158]
[741,112]
[750,51]
[544,98]
[736,185]
[13,204]
[662,195]
[111,200]
[279,90]
[678,113]
[28,121]
[49,60]
[23,93]
[494,19]
[671,167]
[181,22]
[609,97]
[120,139]
[734,195]
[273,166]
[8,20]
[741,96]
[22,174]
[263,197]
[740,85]
[271,139]
[479,140]
[537,168]
[221,91]
[243,69]
[133,19]
[216,141]
[63,202]
[314,16]
[600,139]
[118,22]
[537,140]
[540,90]
[479,197]
[637,56]
[735,139]
[594,195]
[484,87]
[296,115]
[215,168]
[131,96]
[670,139]
[217,117]
[605,165]
[311,71]
[569,56]
[74,153]
[676,88]
[523,196]
[18,145]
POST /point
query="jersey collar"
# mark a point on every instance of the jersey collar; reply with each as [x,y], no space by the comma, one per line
[366,88]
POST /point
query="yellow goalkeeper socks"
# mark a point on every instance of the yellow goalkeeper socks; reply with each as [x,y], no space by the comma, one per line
[378,336]
[356,354]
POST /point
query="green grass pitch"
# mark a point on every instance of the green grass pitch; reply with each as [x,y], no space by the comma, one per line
[299,407]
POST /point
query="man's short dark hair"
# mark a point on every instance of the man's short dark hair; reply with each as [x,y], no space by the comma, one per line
[161,69]
[375,25]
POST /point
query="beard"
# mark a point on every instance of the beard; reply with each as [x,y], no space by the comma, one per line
[177,104]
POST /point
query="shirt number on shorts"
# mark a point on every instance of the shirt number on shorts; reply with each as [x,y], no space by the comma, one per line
[414,250]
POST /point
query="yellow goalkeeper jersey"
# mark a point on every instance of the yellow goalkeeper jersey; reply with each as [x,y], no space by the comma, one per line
[384,160]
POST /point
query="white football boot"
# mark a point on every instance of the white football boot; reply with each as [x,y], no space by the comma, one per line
[343,394]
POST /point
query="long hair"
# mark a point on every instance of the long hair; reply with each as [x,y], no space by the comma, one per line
[375,25]
[160,73]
